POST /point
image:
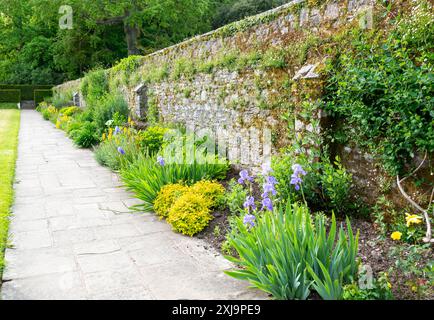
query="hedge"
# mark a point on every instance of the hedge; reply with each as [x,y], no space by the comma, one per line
[10,95]
[28,92]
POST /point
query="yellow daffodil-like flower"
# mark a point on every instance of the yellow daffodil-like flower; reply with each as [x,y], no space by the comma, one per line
[389,285]
[103,137]
[414,288]
[125,130]
[109,137]
[396,235]
[412,219]
[58,123]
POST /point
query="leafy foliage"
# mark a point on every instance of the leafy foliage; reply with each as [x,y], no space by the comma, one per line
[383,89]
[287,252]
[167,197]
[210,190]
[106,108]
[190,214]
[152,138]
[85,136]
[145,176]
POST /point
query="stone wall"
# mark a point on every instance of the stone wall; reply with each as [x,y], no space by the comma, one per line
[247,107]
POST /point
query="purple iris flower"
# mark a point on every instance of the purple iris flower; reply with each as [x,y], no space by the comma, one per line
[117,130]
[271,180]
[298,170]
[266,169]
[296,176]
[249,203]
[121,151]
[269,188]
[161,161]
[244,175]
[267,204]
[249,220]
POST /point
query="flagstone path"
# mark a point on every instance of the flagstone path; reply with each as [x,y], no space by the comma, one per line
[73,236]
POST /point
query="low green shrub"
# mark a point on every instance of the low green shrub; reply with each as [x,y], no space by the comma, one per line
[326,185]
[106,108]
[85,135]
[94,86]
[145,176]
[287,253]
[152,138]
[235,197]
[190,214]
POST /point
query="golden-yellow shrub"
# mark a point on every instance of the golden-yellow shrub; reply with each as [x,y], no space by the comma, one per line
[210,190]
[167,197]
[190,214]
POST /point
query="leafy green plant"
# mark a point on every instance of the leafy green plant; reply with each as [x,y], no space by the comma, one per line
[105,109]
[380,289]
[85,136]
[145,176]
[152,138]
[336,184]
[285,248]
[235,197]
[94,86]
[381,89]
[107,153]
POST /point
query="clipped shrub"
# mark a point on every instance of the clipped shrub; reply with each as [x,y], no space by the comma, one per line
[190,214]
[152,139]
[210,190]
[167,197]
[85,136]
[287,253]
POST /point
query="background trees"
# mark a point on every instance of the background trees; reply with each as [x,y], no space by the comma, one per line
[34,50]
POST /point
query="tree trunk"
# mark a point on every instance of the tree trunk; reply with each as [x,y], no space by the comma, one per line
[132,36]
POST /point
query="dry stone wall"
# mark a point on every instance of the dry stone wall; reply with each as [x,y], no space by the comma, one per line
[248,106]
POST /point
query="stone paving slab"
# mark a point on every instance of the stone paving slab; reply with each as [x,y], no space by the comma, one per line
[74,237]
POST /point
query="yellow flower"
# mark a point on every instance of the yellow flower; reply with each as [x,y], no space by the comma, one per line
[389,285]
[125,130]
[109,136]
[129,120]
[103,136]
[414,288]
[396,235]
[58,123]
[412,219]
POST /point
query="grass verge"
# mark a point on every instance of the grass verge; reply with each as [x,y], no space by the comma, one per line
[9,125]
[6,105]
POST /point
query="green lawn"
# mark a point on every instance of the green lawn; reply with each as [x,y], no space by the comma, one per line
[6,105]
[9,125]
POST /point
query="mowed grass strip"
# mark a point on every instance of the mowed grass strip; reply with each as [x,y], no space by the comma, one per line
[9,126]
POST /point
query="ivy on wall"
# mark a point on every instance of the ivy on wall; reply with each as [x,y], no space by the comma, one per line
[381,89]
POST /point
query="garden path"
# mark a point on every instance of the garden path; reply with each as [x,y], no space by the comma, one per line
[73,236]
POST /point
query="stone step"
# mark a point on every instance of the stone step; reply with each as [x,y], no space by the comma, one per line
[27,105]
